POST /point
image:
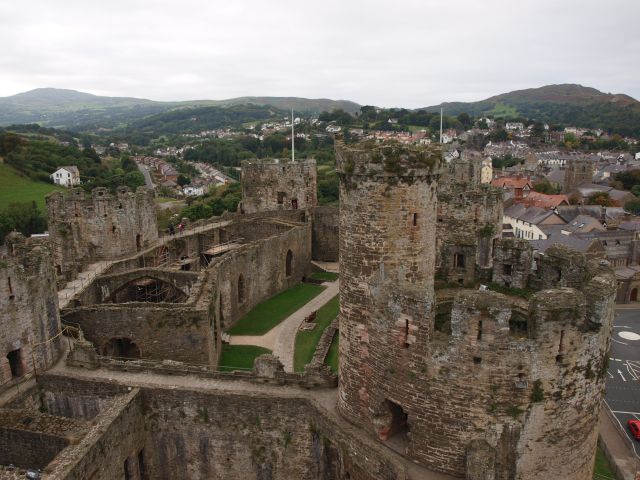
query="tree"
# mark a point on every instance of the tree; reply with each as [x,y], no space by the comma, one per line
[499,135]
[465,120]
[25,218]
[601,198]
[543,186]
[633,206]
[183,180]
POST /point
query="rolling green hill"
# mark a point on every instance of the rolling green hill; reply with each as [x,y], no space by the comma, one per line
[17,188]
[566,104]
[83,111]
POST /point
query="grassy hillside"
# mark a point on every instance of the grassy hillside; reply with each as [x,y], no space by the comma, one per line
[18,188]
[566,104]
[83,111]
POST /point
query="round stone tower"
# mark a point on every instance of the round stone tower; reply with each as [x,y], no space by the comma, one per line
[387,267]
[472,383]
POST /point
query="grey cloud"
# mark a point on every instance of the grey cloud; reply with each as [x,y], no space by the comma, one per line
[405,53]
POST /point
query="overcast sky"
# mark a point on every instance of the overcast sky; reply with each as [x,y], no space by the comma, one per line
[387,53]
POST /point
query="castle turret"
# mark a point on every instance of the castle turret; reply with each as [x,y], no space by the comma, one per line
[387,267]
[472,383]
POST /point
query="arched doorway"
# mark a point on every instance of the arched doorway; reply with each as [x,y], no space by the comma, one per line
[289,263]
[634,295]
[240,288]
[121,348]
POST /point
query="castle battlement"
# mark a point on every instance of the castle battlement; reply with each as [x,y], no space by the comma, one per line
[371,159]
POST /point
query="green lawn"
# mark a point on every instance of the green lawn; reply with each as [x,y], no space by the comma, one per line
[270,313]
[239,357]
[306,341]
[603,469]
[17,188]
[324,276]
[332,355]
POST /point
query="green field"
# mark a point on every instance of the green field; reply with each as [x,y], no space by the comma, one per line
[270,313]
[332,355]
[15,188]
[239,357]
[307,341]
[324,276]
[502,110]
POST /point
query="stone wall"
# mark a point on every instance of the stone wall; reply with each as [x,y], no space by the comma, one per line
[469,220]
[160,331]
[26,449]
[325,234]
[263,267]
[201,435]
[28,310]
[278,185]
[103,226]
[105,288]
[115,443]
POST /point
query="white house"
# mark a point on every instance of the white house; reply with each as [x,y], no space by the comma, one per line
[66,176]
[528,222]
[514,126]
[193,191]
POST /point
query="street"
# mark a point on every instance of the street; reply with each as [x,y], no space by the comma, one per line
[623,376]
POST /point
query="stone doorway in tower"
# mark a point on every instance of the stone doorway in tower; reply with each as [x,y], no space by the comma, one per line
[121,348]
[634,295]
[15,363]
[395,426]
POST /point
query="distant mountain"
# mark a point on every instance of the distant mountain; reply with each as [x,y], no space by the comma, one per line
[567,104]
[308,105]
[78,110]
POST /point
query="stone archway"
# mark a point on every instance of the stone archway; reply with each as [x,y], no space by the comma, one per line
[121,347]
[149,290]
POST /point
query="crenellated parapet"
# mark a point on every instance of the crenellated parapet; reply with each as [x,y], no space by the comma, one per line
[278,184]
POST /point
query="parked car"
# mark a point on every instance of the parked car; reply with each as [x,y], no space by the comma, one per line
[634,427]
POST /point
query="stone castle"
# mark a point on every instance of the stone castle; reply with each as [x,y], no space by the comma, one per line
[439,378]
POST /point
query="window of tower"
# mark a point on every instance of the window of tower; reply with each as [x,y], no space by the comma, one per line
[458,260]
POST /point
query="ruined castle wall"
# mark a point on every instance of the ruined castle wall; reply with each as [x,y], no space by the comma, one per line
[325,234]
[263,267]
[468,222]
[113,444]
[193,435]
[28,310]
[512,263]
[103,226]
[166,331]
[103,289]
[27,449]
[278,185]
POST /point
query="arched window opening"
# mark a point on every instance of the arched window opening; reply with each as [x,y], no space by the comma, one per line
[289,263]
[240,288]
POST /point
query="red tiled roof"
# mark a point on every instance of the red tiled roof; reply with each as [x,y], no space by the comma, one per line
[542,200]
[510,182]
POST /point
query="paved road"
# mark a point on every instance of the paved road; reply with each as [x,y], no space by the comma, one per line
[623,377]
[147,176]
